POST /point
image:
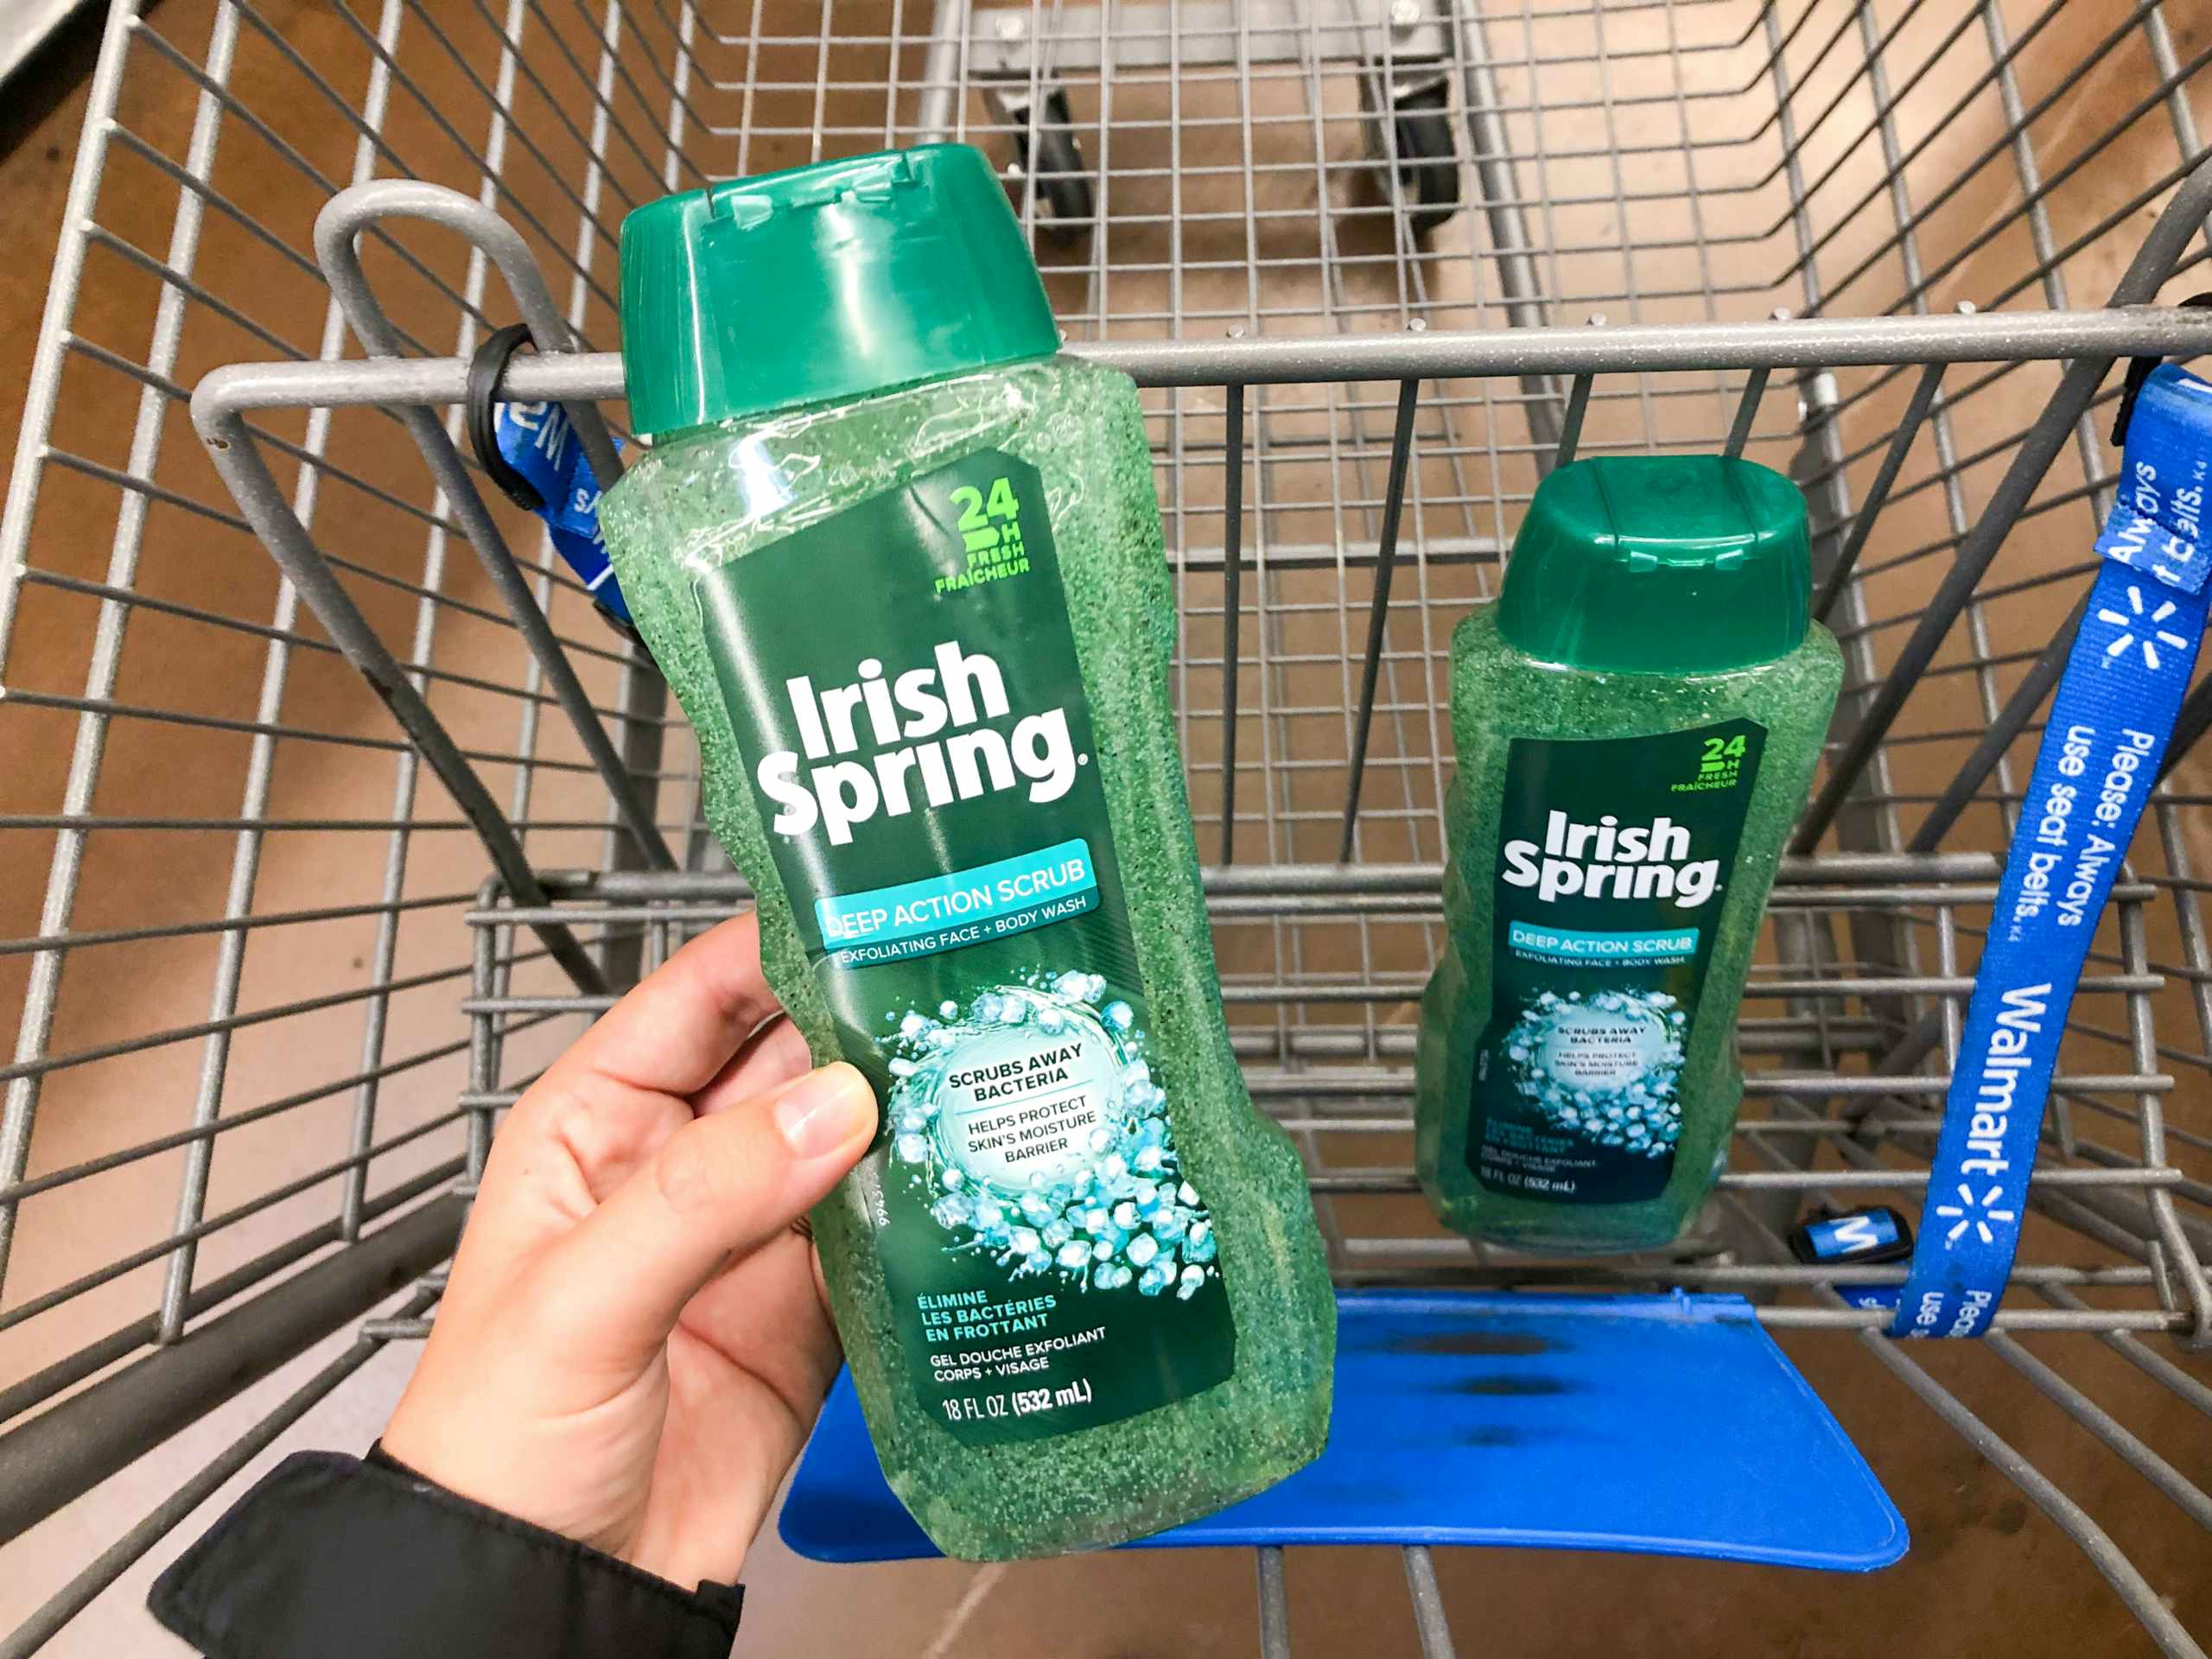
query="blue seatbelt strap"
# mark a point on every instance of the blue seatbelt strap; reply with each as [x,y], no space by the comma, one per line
[2109,723]
[537,442]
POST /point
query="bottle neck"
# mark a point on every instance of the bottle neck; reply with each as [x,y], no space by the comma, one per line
[843,400]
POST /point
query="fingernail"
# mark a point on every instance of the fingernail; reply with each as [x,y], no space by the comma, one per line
[827,1109]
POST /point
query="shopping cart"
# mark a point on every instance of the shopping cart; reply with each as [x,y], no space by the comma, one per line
[307,878]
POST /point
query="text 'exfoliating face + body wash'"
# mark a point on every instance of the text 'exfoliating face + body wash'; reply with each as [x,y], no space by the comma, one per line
[902,564]
[1636,722]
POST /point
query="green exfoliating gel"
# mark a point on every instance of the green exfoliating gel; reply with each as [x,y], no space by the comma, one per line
[1637,721]
[902,564]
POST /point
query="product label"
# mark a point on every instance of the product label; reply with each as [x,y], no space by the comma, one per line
[902,679]
[1613,856]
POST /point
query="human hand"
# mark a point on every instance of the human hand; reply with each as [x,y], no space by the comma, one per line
[635,1340]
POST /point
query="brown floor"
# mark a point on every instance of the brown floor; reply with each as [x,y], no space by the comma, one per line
[1988,1572]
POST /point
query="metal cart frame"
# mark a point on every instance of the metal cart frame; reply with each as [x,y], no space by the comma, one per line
[1345,434]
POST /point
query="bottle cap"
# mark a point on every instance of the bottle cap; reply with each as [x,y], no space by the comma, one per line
[1660,564]
[824,282]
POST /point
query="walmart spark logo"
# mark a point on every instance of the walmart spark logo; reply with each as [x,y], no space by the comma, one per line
[1975,1214]
[2142,616]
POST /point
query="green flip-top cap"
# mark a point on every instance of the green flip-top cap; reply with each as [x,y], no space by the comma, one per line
[1660,564]
[824,282]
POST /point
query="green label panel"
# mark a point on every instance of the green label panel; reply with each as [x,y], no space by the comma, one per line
[1613,855]
[902,680]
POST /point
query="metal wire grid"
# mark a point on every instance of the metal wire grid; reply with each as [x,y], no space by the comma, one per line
[1698,162]
[1354,1119]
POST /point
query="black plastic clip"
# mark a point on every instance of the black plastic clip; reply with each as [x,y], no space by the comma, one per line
[2138,371]
[484,370]
[1863,1237]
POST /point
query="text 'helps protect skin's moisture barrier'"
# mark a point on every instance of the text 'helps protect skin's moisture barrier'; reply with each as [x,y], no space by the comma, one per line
[1637,721]
[902,564]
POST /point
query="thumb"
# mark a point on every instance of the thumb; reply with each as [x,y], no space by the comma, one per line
[718,1189]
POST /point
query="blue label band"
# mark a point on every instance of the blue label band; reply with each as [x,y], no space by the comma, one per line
[1614,949]
[2111,717]
[979,898]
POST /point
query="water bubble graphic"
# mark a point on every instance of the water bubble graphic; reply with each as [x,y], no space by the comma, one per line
[1113,1210]
[1635,1112]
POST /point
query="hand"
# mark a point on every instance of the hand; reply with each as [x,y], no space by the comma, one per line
[635,1339]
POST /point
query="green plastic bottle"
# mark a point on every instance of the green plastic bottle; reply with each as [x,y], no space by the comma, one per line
[902,564]
[1637,721]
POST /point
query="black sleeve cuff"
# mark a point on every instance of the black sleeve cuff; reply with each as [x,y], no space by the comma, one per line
[335,1556]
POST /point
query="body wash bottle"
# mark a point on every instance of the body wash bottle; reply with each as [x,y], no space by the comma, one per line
[1637,721]
[901,561]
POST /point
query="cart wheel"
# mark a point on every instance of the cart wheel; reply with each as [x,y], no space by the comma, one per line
[1427,158]
[1063,178]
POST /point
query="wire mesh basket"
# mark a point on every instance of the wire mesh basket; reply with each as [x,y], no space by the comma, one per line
[1379,265]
